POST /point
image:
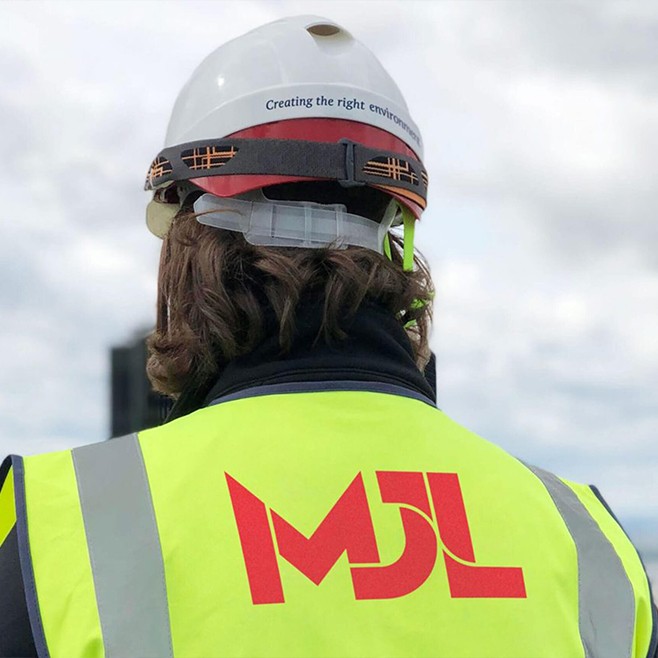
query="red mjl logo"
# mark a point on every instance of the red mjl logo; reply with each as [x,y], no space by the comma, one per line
[348,528]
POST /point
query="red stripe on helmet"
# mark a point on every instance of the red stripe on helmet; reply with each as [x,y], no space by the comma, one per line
[315,130]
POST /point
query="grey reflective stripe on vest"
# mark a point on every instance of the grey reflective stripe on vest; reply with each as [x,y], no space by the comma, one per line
[606,602]
[124,548]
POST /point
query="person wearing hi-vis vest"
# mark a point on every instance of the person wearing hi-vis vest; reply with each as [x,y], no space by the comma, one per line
[306,497]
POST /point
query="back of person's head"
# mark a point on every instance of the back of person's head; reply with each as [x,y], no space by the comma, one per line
[289,157]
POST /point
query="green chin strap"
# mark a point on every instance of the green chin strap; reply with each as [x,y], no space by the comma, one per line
[387,247]
[409,227]
[409,224]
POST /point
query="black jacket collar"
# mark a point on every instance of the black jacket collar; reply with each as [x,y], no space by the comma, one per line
[377,349]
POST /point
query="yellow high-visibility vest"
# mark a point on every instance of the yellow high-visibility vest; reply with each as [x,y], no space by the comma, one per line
[326,523]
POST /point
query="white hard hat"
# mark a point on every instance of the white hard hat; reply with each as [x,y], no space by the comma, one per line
[297,99]
[293,68]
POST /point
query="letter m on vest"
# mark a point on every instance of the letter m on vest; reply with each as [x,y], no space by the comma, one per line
[348,528]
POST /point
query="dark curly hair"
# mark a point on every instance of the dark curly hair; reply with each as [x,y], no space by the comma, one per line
[215,290]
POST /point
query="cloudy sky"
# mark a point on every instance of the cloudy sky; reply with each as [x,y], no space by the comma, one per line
[541,128]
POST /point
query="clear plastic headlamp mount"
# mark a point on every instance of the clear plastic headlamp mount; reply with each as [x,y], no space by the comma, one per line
[305,224]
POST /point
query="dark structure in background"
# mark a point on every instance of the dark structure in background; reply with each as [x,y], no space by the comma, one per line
[135,406]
